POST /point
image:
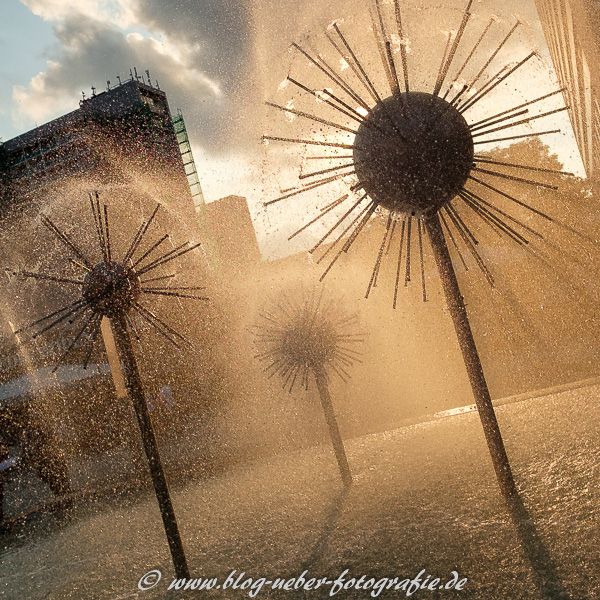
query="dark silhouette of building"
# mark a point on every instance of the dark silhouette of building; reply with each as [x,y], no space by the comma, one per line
[125,130]
[125,127]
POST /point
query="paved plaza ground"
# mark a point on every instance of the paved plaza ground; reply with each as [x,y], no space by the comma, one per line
[424,497]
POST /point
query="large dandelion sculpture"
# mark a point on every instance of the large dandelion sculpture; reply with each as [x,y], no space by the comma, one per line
[306,337]
[412,155]
[113,289]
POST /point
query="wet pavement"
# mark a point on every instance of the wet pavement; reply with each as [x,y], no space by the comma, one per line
[424,497]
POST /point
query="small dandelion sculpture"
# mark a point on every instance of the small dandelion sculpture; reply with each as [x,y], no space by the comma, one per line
[113,289]
[304,337]
[413,157]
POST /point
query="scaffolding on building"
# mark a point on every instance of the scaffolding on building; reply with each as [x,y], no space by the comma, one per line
[188,161]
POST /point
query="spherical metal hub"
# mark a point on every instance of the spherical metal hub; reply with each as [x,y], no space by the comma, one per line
[309,344]
[111,288]
[413,153]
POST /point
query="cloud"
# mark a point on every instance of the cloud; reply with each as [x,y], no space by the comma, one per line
[221,33]
[91,49]
[117,12]
[225,174]
[219,28]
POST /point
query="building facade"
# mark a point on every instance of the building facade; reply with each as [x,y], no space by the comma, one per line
[232,233]
[571,31]
[130,123]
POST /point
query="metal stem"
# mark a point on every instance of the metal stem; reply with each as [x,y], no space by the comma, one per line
[310,117]
[517,137]
[323,171]
[471,357]
[334,432]
[134,384]
[350,111]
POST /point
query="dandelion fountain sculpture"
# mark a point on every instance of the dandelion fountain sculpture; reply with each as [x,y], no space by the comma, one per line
[415,157]
[113,289]
[305,337]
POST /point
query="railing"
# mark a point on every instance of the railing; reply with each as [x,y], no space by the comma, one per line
[188,161]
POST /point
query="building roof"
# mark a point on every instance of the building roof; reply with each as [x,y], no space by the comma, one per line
[119,100]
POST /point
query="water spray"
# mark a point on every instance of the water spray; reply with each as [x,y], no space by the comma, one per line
[111,291]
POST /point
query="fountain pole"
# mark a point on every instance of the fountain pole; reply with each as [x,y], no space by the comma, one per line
[136,390]
[334,431]
[458,311]
[304,337]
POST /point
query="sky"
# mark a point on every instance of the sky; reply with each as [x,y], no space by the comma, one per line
[218,60]
[53,50]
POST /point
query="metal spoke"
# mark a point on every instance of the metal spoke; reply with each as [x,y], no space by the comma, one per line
[515,108]
[402,47]
[521,122]
[494,54]
[97,222]
[408,240]
[346,110]
[311,117]
[164,325]
[107,231]
[477,97]
[519,179]
[422,260]
[453,240]
[338,223]
[53,314]
[379,255]
[140,235]
[273,138]
[166,259]
[151,249]
[335,242]
[327,209]
[470,56]
[62,359]
[138,308]
[517,137]
[519,202]
[481,159]
[65,239]
[48,277]
[354,64]
[399,262]
[480,200]
[162,277]
[331,74]
[368,212]
[323,171]
[60,319]
[471,247]
[452,53]
[174,294]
